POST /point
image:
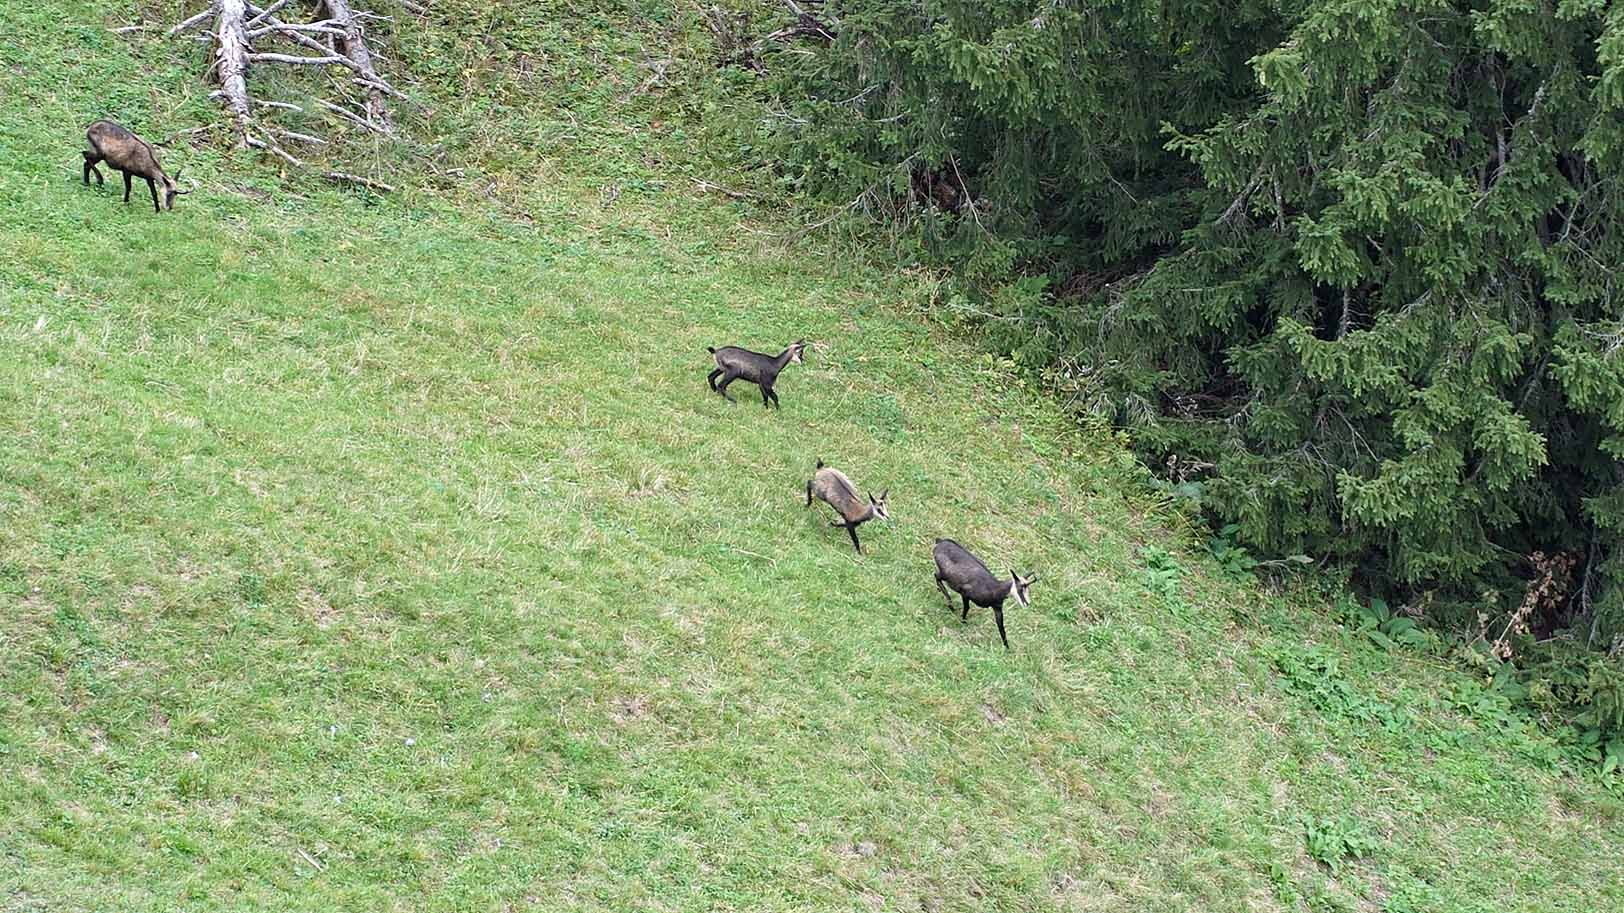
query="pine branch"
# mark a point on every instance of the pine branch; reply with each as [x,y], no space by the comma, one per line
[272,148]
[351,116]
[192,21]
[262,15]
[331,60]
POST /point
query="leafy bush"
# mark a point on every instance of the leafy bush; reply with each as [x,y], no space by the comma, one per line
[1234,561]
[1378,623]
[1164,578]
[1586,691]
[1331,841]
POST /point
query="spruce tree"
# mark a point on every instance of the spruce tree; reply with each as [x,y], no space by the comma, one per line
[1352,260]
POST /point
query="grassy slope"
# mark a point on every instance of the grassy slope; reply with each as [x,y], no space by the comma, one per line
[390,555]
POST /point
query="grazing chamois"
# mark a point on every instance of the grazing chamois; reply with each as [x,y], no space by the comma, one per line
[969,577]
[833,488]
[734,363]
[132,155]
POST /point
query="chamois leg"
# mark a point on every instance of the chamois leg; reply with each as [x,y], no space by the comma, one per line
[712,379]
[126,187]
[966,615]
[91,159]
[722,387]
[998,615]
[774,394]
[765,393]
[154,188]
[943,590]
[808,492]
[851,530]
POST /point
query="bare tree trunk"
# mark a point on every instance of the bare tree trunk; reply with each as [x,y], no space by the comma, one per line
[231,60]
[353,44]
[234,38]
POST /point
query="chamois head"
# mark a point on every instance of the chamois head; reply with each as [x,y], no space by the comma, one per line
[172,189]
[1018,587]
[797,351]
[880,513]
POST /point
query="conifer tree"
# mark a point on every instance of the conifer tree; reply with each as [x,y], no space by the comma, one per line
[1356,259]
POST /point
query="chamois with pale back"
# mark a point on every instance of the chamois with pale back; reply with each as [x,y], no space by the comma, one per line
[734,363]
[134,156]
[970,578]
[831,486]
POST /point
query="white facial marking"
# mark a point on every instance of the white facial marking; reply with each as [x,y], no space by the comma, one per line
[1019,594]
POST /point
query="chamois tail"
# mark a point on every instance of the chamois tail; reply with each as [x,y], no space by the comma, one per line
[711,349]
[820,463]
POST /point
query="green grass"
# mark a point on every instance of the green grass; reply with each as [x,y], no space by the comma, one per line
[391,554]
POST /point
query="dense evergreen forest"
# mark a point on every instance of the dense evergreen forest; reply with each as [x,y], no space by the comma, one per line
[1345,271]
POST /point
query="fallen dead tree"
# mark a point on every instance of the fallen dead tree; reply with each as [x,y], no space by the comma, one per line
[736,47]
[244,38]
[352,43]
[231,53]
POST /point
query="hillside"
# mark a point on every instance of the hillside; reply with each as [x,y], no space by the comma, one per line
[369,552]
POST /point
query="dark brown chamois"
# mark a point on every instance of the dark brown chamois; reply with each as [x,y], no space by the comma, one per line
[833,488]
[132,155]
[969,577]
[734,363]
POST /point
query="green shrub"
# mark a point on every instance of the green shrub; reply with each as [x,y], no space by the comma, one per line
[1378,623]
[1332,841]
[1585,690]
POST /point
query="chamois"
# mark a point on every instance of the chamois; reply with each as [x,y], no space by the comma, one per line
[734,363]
[969,577]
[833,488]
[132,155]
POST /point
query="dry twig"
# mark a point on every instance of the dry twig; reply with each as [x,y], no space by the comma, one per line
[344,177]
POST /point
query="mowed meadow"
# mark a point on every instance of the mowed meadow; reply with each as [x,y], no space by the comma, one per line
[389,553]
